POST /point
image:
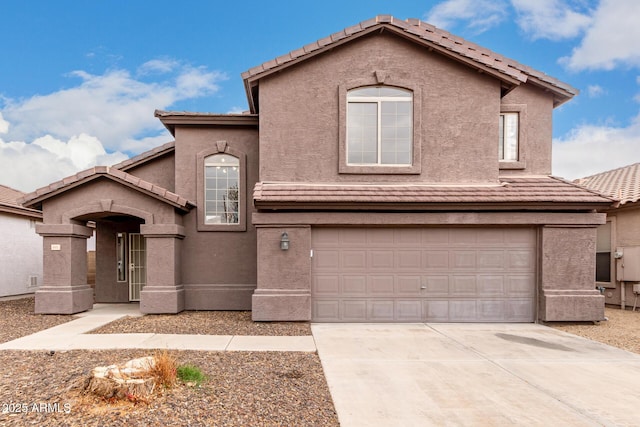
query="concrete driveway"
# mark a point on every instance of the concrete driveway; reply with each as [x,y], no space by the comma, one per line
[476,375]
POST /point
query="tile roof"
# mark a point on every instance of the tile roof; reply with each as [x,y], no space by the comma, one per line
[82,177]
[512,190]
[425,33]
[145,157]
[9,203]
[622,183]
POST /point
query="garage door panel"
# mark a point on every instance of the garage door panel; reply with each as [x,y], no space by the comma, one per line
[355,310]
[424,274]
[521,259]
[408,260]
[521,286]
[353,259]
[488,259]
[408,285]
[435,260]
[326,310]
[381,310]
[409,310]
[491,310]
[353,285]
[326,259]
[463,259]
[326,285]
[380,285]
[378,259]
[463,286]
[436,286]
[463,311]
[489,285]
[436,311]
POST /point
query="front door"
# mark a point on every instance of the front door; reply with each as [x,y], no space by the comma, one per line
[137,265]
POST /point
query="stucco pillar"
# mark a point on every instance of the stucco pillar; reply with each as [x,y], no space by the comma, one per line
[64,289]
[283,290]
[568,275]
[163,292]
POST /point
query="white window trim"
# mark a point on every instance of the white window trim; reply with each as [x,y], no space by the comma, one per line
[415,168]
[521,110]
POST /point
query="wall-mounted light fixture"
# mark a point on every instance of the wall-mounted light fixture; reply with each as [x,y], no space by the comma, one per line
[284,241]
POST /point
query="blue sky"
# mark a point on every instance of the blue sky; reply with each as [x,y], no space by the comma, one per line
[80,80]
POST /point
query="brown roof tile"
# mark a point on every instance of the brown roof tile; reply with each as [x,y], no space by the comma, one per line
[622,183]
[58,187]
[10,203]
[459,46]
[146,156]
[529,190]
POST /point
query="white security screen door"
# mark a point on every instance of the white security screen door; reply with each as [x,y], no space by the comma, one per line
[137,265]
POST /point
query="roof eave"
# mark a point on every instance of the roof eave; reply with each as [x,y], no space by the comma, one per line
[171,119]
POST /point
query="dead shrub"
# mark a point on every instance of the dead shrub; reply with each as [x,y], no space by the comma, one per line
[165,368]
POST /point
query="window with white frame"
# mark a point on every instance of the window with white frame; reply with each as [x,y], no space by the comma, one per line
[603,253]
[508,141]
[379,126]
[222,195]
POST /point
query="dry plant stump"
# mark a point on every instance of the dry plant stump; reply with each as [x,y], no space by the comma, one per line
[134,379]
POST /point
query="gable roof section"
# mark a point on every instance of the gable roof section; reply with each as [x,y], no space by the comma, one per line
[622,183]
[9,203]
[511,72]
[101,172]
[145,157]
[539,192]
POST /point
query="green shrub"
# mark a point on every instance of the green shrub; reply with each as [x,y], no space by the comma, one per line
[189,373]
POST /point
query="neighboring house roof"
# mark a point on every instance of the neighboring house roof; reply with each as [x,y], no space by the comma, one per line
[35,198]
[622,183]
[511,72]
[145,157]
[543,191]
[9,203]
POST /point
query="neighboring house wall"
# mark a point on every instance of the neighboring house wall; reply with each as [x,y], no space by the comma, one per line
[21,256]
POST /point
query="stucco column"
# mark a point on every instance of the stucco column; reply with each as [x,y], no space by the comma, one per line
[163,292]
[568,275]
[65,289]
[284,277]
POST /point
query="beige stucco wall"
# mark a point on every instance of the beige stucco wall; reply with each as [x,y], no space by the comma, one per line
[160,171]
[300,117]
[218,267]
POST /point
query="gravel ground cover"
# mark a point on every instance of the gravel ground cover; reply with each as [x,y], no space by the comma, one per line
[242,389]
[203,323]
[18,320]
[622,330]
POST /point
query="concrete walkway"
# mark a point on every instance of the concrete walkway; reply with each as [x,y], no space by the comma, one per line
[476,375]
[74,335]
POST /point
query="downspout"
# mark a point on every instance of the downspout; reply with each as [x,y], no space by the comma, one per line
[623,295]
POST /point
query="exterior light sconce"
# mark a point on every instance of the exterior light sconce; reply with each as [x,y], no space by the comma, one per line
[284,241]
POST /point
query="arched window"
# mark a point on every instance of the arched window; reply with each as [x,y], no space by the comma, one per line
[221,189]
[379,126]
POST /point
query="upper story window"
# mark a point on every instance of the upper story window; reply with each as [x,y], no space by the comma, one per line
[508,143]
[379,126]
[222,189]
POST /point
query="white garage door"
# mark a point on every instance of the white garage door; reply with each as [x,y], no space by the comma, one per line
[423,275]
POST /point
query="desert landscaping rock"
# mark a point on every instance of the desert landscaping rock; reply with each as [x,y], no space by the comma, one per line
[17,319]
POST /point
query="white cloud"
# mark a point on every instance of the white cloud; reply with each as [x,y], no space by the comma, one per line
[29,166]
[590,149]
[611,40]
[114,107]
[58,134]
[551,19]
[480,14]
[594,91]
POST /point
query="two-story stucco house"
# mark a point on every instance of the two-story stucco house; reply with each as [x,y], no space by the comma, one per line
[390,172]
